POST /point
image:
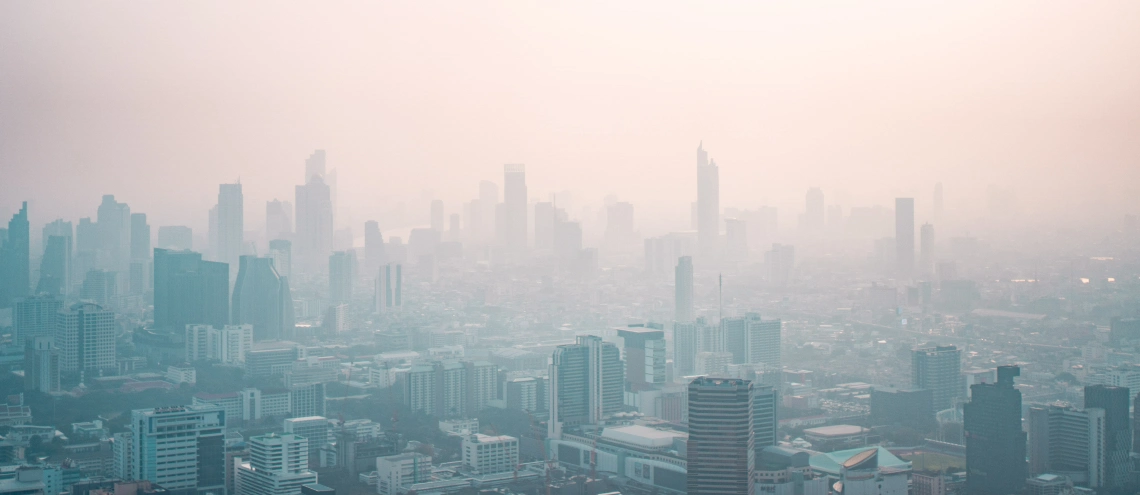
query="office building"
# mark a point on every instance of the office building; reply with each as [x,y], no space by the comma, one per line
[278,465]
[750,340]
[41,364]
[101,287]
[180,447]
[175,238]
[139,278]
[1117,431]
[904,235]
[55,267]
[342,276]
[15,259]
[487,454]
[713,363]
[278,220]
[515,206]
[85,335]
[708,202]
[911,407]
[34,317]
[262,299]
[586,383]
[188,290]
[938,369]
[114,227]
[281,250]
[314,239]
[227,345]
[995,442]
[231,224]
[765,417]
[313,428]
[1068,440]
[644,357]
[686,344]
[721,442]
[451,389]
[373,248]
[684,311]
[396,473]
[388,292]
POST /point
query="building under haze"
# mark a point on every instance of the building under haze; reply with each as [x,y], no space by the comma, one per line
[721,444]
[262,299]
[1117,432]
[995,442]
[586,383]
[938,369]
[708,202]
[342,276]
[175,238]
[41,365]
[114,227]
[35,316]
[388,293]
[515,206]
[188,290]
[85,334]
[904,235]
[55,266]
[139,277]
[15,261]
[314,239]
[179,447]
[683,311]
[278,220]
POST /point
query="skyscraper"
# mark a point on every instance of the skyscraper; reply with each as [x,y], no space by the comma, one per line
[1069,440]
[87,244]
[683,311]
[904,235]
[278,219]
[514,206]
[35,316]
[314,166]
[41,365]
[314,226]
[15,259]
[85,335]
[114,225]
[938,369]
[188,290]
[686,344]
[175,237]
[765,404]
[100,286]
[995,442]
[261,298]
[180,447]
[278,465]
[55,267]
[342,276]
[373,248]
[1117,431]
[281,250]
[586,383]
[644,357]
[926,249]
[388,289]
[708,202]
[721,445]
[231,223]
[139,276]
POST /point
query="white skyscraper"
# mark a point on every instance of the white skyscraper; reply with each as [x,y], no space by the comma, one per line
[708,202]
[85,335]
[278,465]
[231,225]
[180,448]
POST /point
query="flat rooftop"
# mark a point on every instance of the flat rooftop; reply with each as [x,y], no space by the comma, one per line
[835,431]
[642,436]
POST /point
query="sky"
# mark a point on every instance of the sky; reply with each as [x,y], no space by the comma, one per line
[159,102]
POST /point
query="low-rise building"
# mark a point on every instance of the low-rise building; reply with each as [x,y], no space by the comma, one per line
[486,454]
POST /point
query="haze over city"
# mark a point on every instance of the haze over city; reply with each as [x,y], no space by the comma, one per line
[588,248]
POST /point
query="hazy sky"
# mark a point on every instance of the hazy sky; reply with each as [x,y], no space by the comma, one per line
[158,102]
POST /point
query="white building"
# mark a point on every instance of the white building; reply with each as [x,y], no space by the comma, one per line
[395,472]
[123,463]
[713,363]
[228,345]
[179,447]
[178,375]
[486,454]
[315,429]
[278,465]
[85,335]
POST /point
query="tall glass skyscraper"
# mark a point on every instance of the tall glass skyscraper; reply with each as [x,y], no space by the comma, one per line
[995,442]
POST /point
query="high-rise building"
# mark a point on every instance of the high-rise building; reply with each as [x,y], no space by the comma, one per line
[683,286]
[41,365]
[514,205]
[139,277]
[100,286]
[315,429]
[1068,440]
[278,219]
[373,248]
[342,276]
[314,166]
[175,238]
[188,290]
[395,473]
[15,259]
[87,246]
[281,250]
[765,418]
[114,225]
[686,344]
[262,299]
[314,226]
[814,212]
[388,294]
[35,317]
[451,389]
[231,224]
[488,203]
[85,335]
[644,357]
[1117,431]
[708,202]
[586,383]
[938,369]
[995,442]
[55,267]
[904,235]
[227,345]
[926,250]
[180,447]
[721,445]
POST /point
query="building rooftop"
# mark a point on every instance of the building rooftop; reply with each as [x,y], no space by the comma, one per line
[832,463]
[642,436]
[835,431]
